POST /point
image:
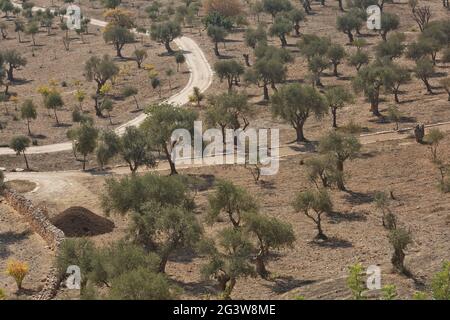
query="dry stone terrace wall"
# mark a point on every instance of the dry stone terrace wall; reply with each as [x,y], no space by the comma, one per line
[36,217]
[38,220]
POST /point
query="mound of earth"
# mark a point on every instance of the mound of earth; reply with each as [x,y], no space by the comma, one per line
[21,186]
[81,222]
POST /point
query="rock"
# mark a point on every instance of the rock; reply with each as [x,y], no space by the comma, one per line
[19,170]
[2,169]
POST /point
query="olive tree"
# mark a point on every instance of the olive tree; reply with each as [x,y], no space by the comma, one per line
[434,137]
[270,233]
[280,28]
[140,55]
[424,70]
[131,91]
[295,103]
[231,200]
[107,147]
[297,16]
[53,101]
[135,149]
[336,98]
[370,79]
[165,32]
[228,259]
[336,53]
[28,112]
[392,48]
[13,60]
[399,238]
[161,122]
[85,140]
[231,70]
[20,144]
[130,193]
[228,110]
[348,23]
[269,68]
[322,171]
[341,147]
[395,76]
[164,229]
[217,35]
[313,204]
[273,7]
[358,58]
[253,37]
[100,70]
[389,22]
[119,36]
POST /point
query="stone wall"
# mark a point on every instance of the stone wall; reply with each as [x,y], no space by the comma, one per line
[36,217]
[38,220]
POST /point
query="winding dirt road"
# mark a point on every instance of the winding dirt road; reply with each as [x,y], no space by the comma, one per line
[201,76]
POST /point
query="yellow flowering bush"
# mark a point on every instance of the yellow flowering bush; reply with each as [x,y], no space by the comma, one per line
[18,270]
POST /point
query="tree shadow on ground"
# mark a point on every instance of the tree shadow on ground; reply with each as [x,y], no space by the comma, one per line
[38,136]
[268,185]
[225,57]
[204,287]
[62,125]
[355,198]
[332,242]
[338,217]
[283,284]
[309,146]
[367,155]
[18,82]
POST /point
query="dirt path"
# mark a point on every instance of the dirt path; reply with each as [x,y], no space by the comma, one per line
[68,182]
[201,76]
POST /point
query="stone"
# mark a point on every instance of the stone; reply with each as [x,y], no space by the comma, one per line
[38,220]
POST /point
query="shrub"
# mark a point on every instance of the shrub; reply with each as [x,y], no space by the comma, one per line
[79,252]
[355,281]
[399,239]
[441,283]
[18,270]
[389,292]
[313,204]
[141,284]
[433,138]
[419,296]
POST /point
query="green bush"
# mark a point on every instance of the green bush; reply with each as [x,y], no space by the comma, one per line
[355,281]
[441,283]
[141,284]
[79,252]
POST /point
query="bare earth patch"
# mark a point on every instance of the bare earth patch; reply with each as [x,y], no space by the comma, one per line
[18,242]
[21,186]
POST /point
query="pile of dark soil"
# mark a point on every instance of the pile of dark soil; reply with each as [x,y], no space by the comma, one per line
[81,222]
